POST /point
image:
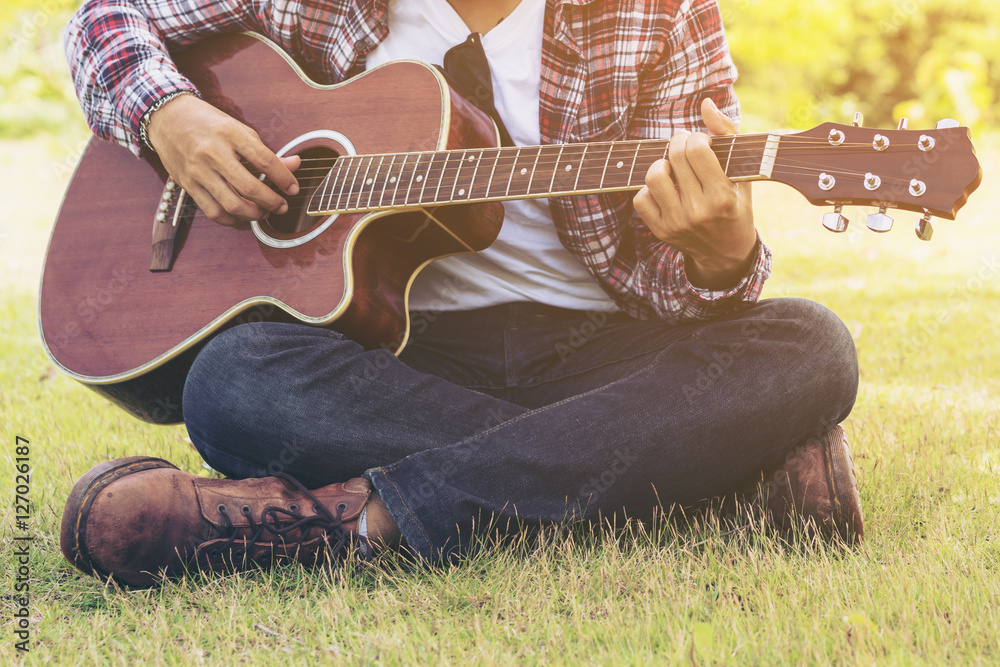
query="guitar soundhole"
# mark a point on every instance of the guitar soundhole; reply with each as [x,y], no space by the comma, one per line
[316,162]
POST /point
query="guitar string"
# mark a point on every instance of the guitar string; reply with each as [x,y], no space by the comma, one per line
[300,201]
[747,147]
[349,163]
[802,169]
[642,153]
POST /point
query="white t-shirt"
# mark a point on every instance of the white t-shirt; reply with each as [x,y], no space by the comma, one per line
[527,262]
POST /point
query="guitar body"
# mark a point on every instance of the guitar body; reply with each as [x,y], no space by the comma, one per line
[131,333]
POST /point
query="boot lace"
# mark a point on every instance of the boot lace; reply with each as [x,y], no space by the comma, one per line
[281,522]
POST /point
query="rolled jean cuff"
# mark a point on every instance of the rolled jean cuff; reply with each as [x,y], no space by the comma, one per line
[413,533]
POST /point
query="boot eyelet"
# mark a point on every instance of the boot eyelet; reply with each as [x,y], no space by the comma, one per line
[245,509]
[222,509]
[342,506]
[293,507]
[316,509]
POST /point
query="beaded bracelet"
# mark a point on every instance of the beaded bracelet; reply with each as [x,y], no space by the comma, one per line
[144,123]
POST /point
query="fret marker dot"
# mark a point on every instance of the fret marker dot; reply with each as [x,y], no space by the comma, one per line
[569,167]
[524,170]
[419,178]
[369,181]
[472,158]
[461,192]
[620,165]
[392,180]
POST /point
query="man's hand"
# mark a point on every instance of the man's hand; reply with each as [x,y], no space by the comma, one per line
[202,149]
[690,203]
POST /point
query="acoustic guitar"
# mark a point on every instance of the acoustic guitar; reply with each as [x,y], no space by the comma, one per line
[398,170]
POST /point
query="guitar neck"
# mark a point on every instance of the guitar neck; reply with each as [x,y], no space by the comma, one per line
[407,180]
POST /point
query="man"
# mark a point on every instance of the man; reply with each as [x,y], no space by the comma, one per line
[606,356]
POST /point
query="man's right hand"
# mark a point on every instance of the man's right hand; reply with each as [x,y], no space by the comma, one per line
[204,150]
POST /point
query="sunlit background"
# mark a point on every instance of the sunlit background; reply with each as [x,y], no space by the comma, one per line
[801,64]
[924,317]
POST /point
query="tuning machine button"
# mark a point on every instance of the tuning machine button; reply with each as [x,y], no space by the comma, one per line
[925,230]
[836,222]
[859,119]
[904,123]
[947,124]
[880,222]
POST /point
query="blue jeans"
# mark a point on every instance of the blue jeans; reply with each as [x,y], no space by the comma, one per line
[524,410]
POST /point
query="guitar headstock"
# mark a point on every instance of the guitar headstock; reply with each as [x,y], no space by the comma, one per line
[931,172]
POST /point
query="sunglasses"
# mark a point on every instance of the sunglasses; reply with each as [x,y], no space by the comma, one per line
[468,72]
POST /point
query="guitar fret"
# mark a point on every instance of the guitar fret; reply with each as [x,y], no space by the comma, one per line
[358,184]
[635,157]
[729,156]
[496,161]
[336,189]
[365,181]
[579,168]
[385,179]
[322,190]
[555,169]
[534,169]
[423,178]
[607,162]
[398,177]
[475,172]
[444,171]
[513,167]
[433,171]
[564,181]
[409,187]
[458,171]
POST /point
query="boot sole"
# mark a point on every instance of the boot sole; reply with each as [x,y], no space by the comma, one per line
[73,532]
[843,483]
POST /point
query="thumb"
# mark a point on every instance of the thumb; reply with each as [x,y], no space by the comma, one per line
[716,121]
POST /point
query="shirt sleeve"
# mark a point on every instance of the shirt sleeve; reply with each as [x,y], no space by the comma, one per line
[118,50]
[695,63]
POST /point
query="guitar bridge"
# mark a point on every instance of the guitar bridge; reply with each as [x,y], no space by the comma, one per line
[166,223]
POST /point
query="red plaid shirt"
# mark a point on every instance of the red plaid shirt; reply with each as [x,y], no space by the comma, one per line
[615,69]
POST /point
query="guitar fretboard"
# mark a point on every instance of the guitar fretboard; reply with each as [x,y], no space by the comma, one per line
[408,180]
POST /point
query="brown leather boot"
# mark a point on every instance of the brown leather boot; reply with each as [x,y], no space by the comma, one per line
[136,518]
[817,487]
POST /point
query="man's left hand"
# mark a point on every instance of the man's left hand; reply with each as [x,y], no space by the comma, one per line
[689,202]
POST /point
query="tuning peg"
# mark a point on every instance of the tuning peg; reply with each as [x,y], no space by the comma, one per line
[836,222]
[859,119]
[925,230]
[947,123]
[903,123]
[880,222]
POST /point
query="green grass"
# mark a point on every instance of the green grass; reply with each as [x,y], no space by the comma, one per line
[924,589]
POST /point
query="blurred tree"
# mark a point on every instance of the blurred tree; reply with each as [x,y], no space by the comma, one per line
[36,95]
[804,63]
